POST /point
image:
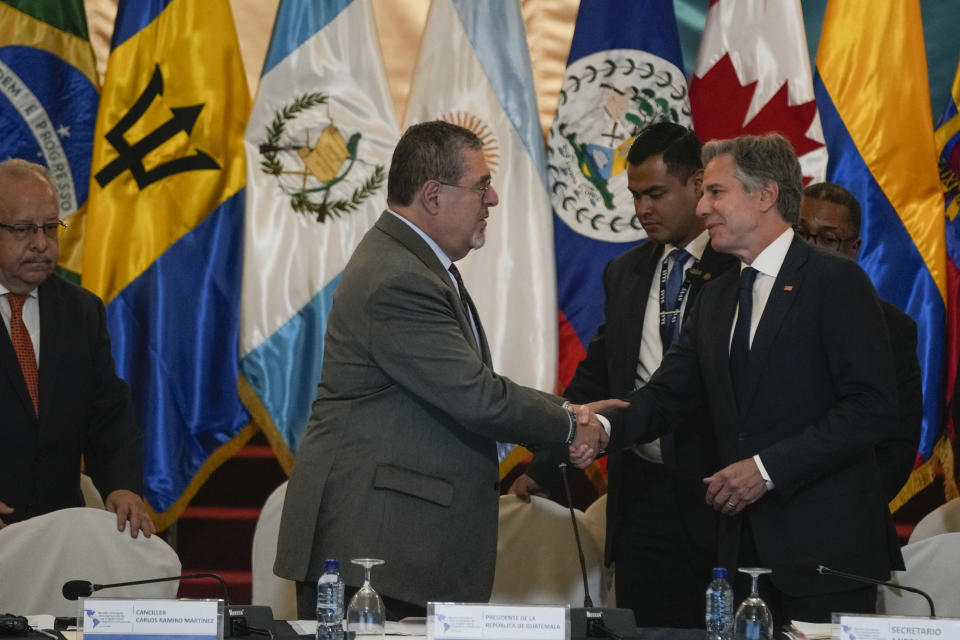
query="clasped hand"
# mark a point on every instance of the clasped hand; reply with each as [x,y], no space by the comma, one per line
[591,438]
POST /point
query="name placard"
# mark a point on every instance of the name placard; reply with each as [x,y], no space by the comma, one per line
[449,621]
[153,618]
[898,628]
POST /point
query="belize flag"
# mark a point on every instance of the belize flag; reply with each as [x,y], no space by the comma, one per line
[319,143]
[624,72]
[879,135]
[48,104]
[164,234]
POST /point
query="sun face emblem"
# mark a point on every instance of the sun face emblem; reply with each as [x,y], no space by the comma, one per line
[491,150]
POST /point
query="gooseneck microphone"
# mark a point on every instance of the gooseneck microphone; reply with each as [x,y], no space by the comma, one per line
[824,570]
[74,589]
[587,600]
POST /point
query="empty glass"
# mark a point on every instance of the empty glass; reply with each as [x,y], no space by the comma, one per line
[366,615]
[753,620]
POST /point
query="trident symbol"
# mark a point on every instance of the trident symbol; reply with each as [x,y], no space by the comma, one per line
[131,155]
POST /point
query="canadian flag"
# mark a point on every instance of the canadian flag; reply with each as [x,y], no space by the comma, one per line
[753,77]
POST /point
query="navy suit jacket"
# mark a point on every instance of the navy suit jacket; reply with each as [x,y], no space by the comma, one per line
[609,371]
[819,396]
[84,409]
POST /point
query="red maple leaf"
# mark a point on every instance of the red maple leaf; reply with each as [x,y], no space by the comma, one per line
[719,104]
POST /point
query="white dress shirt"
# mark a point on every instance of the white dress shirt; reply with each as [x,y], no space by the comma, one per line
[31,317]
[767,263]
[651,344]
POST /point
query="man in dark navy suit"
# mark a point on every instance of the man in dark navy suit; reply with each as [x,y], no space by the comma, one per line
[791,356]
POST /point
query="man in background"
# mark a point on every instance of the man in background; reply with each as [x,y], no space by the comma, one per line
[60,397]
[399,459]
[830,219]
[660,533]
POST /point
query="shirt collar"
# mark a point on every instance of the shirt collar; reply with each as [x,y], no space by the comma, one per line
[769,261]
[441,256]
[33,294]
[695,247]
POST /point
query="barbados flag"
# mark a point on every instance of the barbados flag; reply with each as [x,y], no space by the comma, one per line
[624,72]
[871,88]
[319,143]
[48,103]
[164,236]
[947,137]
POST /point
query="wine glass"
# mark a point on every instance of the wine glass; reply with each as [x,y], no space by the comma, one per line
[753,620]
[366,615]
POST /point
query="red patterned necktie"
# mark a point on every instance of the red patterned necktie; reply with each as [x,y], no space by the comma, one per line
[23,347]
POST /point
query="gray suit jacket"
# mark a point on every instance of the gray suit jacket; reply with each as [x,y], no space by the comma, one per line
[399,458]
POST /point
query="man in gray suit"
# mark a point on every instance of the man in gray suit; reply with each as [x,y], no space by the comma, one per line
[399,459]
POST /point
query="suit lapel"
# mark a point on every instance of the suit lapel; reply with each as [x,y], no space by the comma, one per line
[782,297]
[400,231]
[629,332]
[52,334]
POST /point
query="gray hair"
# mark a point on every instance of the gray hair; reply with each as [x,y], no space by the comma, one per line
[20,168]
[760,160]
[428,151]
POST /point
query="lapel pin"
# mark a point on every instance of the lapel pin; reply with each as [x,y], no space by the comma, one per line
[789,287]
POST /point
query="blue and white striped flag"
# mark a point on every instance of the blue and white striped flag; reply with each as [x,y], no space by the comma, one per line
[474,70]
[319,143]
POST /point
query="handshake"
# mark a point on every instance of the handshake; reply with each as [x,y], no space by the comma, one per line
[592,435]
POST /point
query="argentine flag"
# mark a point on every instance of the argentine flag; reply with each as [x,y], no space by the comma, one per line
[474,71]
[319,143]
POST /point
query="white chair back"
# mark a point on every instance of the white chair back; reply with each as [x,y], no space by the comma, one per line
[537,555]
[932,566]
[943,519]
[278,593]
[38,555]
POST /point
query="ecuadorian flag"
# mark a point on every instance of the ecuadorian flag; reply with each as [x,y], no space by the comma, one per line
[163,244]
[872,92]
[947,137]
[48,103]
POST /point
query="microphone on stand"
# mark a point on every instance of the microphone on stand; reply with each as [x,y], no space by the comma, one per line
[824,570]
[234,618]
[75,589]
[589,621]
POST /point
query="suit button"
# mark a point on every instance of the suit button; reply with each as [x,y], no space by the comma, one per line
[741,436]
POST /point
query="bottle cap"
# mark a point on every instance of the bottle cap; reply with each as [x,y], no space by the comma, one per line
[333,565]
[719,572]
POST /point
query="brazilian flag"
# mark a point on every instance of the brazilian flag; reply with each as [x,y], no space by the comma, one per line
[48,103]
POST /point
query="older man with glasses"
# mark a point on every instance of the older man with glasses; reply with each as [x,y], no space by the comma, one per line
[60,397]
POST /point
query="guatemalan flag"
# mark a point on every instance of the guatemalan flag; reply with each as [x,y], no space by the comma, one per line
[874,102]
[319,143]
[164,234]
[48,104]
[624,72]
[947,138]
[753,76]
[474,70]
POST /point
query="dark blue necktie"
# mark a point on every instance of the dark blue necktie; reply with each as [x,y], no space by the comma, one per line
[740,345]
[670,305]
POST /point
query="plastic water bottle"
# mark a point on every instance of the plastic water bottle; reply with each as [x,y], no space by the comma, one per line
[330,602]
[719,615]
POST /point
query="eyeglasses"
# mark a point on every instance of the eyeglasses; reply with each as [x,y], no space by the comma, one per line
[481,190]
[825,240]
[24,230]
